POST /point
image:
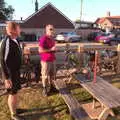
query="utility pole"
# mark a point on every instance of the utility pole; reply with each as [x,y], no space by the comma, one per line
[81,10]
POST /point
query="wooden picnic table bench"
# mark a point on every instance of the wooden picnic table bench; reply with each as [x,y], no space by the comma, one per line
[74,106]
[105,93]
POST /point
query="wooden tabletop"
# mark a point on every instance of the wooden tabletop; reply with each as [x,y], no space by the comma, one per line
[103,91]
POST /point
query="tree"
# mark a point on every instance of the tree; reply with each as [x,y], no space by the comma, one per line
[2,4]
[6,13]
[2,16]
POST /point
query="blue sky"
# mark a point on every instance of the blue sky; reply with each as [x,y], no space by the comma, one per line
[92,9]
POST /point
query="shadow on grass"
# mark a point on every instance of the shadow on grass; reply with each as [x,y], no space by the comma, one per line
[47,113]
[72,86]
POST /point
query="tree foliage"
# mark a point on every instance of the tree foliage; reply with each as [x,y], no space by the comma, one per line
[6,12]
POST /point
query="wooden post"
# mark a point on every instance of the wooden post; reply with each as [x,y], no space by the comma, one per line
[93,105]
[80,51]
[104,114]
[118,63]
[95,66]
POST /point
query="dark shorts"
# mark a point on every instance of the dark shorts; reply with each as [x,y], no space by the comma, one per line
[15,78]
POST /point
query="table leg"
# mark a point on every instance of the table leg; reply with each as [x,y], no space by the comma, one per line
[93,105]
[104,114]
[112,113]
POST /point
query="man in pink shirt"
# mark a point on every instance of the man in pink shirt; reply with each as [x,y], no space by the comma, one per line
[47,50]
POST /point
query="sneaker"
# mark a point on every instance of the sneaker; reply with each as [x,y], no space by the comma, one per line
[16,117]
[53,89]
[45,94]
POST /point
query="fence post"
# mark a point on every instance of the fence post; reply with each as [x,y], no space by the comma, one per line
[118,63]
[80,51]
[95,67]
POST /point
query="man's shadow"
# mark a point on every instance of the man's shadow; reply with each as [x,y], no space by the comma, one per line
[46,112]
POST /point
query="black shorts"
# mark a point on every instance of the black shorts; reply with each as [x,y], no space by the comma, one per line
[15,78]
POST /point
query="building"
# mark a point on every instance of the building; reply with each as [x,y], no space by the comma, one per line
[83,24]
[48,14]
[108,22]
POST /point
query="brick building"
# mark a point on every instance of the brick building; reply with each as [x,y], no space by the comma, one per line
[48,14]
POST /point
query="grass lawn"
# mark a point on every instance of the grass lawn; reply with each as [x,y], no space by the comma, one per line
[48,108]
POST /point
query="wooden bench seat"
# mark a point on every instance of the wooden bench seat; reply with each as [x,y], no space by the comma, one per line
[74,107]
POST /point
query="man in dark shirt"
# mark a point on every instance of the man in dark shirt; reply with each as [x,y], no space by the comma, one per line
[11,59]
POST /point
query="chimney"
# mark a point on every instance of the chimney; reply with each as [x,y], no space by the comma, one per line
[36,6]
[108,13]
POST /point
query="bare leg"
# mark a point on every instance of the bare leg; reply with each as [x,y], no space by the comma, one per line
[51,78]
[12,103]
[44,73]
[44,82]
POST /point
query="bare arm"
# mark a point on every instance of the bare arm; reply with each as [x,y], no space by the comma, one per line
[4,56]
[43,50]
[4,67]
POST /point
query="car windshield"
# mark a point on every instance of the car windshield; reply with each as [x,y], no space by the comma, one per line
[71,33]
[68,33]
[63,33]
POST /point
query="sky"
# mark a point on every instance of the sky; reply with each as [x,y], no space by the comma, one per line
[91,9]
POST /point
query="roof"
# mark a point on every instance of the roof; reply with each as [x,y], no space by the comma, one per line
[115,20]
[84,22]
[17,21]
[48,14]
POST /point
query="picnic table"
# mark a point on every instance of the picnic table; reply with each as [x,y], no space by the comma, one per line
[105,97]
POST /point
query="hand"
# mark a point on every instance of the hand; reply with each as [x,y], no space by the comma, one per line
[53,48]
[8,84]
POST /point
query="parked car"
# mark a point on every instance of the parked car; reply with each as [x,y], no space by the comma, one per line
[104,38]
[115,40]
[68,37]
[93,35]
[61,37]
[73,37]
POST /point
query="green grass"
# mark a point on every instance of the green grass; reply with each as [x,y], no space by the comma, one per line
[39,107]
[47,108]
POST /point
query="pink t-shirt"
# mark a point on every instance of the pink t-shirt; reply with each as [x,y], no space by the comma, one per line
[47,43]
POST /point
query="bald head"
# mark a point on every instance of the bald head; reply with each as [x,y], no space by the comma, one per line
[49,30]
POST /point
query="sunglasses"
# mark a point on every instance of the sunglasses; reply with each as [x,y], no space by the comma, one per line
[51,29]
